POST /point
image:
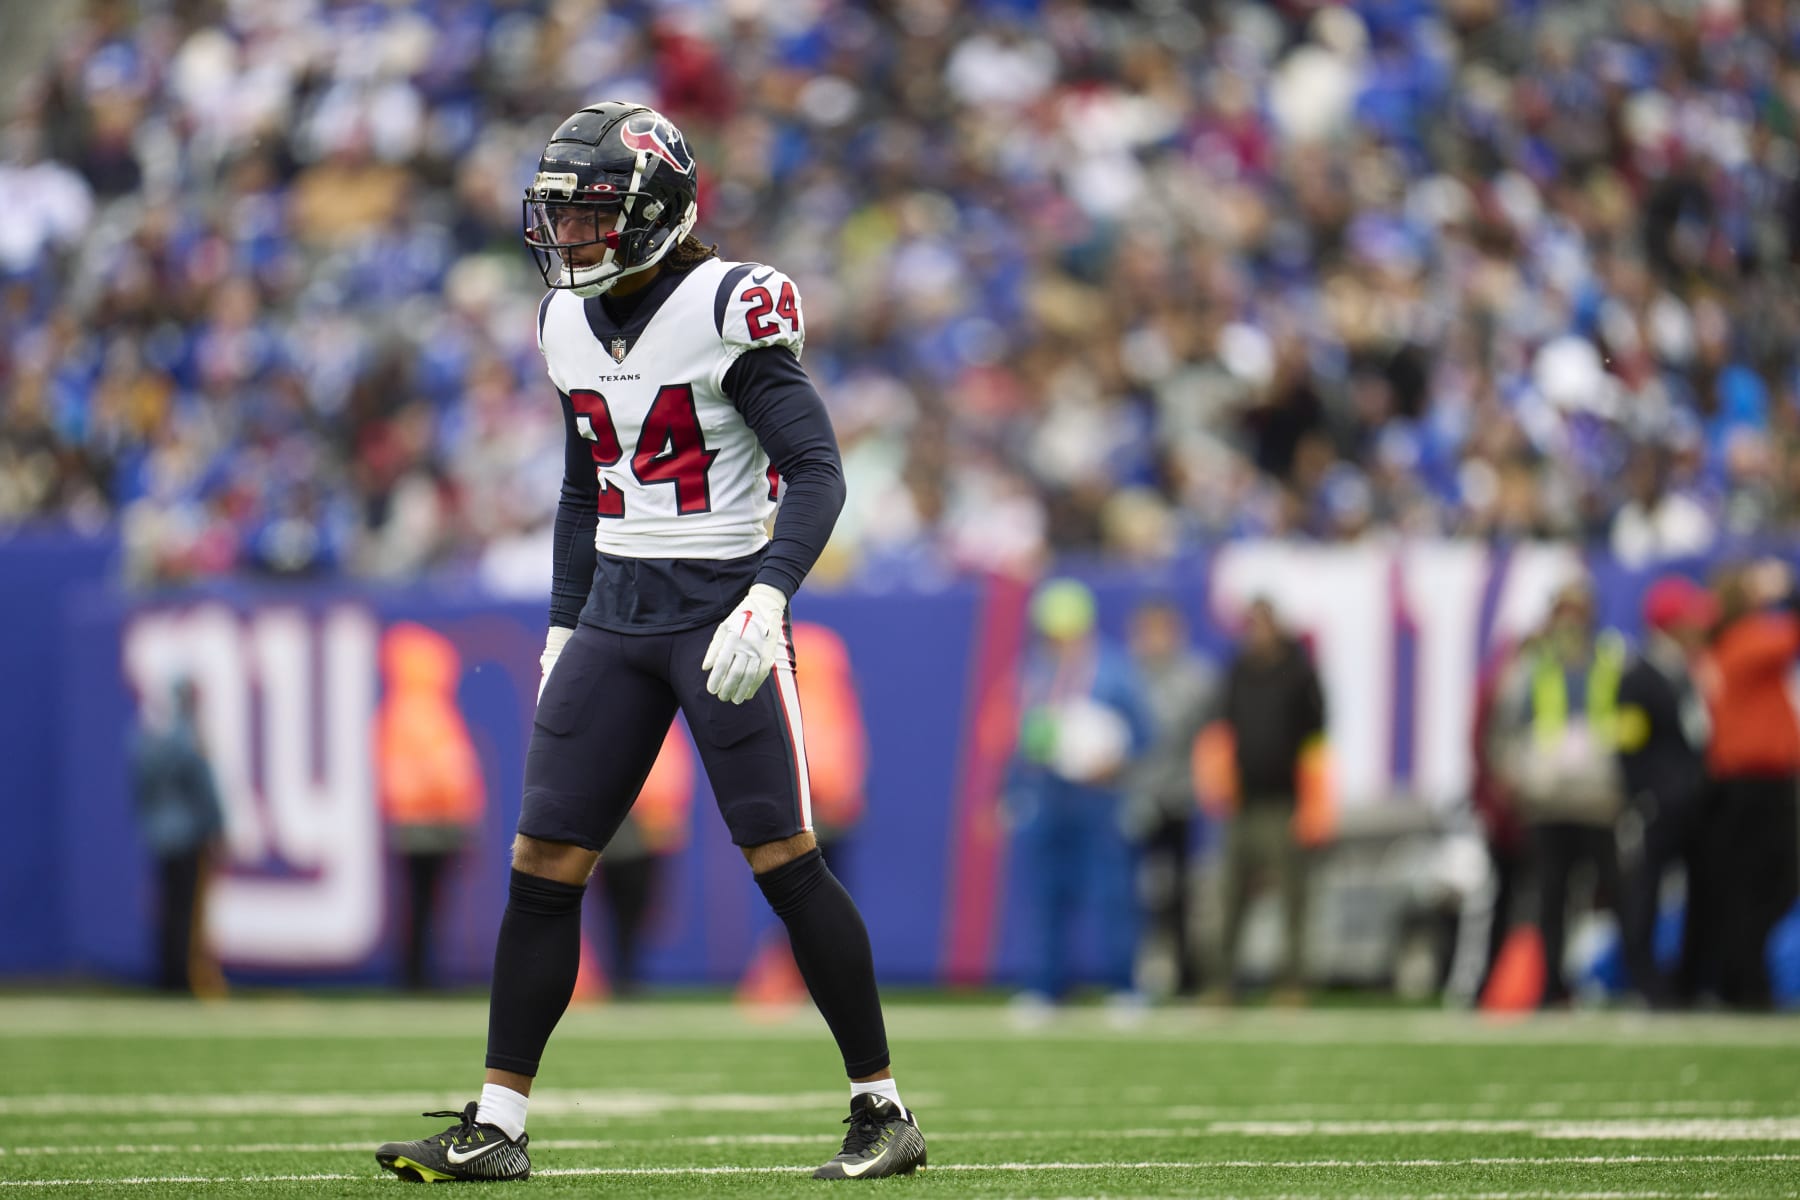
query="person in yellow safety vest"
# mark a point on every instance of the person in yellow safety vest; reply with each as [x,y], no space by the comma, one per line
[428,775]
[1559,758]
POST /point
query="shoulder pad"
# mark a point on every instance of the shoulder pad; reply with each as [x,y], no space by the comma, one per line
[758,306]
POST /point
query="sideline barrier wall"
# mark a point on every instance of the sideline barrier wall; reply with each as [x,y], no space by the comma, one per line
[290,684]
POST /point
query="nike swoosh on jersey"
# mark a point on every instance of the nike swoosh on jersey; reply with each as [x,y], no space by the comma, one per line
[759,278]
[460,1159]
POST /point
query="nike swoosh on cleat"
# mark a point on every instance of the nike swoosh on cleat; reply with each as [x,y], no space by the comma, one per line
[459,1159]
[855,1170]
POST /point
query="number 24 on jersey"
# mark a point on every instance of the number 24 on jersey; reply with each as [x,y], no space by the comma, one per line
[670,449]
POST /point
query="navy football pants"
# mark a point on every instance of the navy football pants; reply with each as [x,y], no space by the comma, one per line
[602,719]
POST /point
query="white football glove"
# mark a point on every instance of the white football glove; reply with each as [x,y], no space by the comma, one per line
[553,645]
[745,645]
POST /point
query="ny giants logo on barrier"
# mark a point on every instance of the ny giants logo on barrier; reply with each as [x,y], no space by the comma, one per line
[1399,634]
[287,703]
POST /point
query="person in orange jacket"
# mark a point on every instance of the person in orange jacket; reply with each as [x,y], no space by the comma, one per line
[428,777]
[837,760]
[837,745]
[1749,834]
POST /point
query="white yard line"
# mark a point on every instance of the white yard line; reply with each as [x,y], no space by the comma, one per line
[1538,1195]
[1732,1129]
[1252,1164]
[1472,1110]
[92,1018]
[1770,1129]
[163,1180]
[143,1181]
[1533,1195]
[184,1107]
[1023,1167]
[622,1103]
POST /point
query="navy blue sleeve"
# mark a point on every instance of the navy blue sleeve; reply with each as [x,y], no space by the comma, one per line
[577,512]
[780,405]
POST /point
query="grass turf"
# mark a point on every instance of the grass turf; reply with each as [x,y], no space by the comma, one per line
[123,1097]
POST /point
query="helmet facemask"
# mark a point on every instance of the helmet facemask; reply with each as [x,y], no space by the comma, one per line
[587,238]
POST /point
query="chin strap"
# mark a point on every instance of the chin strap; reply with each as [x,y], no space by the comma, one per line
[601,286]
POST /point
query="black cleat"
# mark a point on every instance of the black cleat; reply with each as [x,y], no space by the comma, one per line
[464,1153]
[882,1141]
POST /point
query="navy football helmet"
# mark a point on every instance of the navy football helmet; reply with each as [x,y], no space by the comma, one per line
[615,191]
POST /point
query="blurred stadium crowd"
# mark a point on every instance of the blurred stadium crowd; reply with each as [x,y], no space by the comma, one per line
[1102,277]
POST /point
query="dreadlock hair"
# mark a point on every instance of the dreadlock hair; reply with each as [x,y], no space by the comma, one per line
[689,252]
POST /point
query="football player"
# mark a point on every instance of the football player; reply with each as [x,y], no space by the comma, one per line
[684,403]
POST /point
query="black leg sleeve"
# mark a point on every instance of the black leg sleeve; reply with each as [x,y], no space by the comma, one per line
[831,948]
[535,962]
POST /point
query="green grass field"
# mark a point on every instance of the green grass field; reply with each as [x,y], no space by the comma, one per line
[112,1097]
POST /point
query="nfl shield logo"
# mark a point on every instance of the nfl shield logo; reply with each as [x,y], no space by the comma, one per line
[618,349]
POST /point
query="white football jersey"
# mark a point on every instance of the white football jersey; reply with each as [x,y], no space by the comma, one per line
[681,474]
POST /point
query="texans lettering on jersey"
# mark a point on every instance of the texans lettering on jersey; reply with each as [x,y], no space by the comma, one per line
[681,474]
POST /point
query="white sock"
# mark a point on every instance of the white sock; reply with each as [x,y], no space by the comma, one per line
[887,1089]
[503,1107]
